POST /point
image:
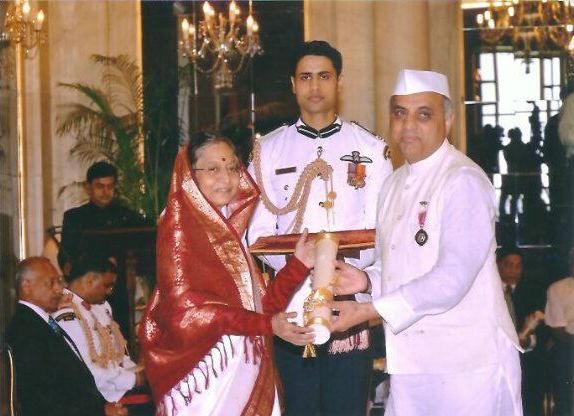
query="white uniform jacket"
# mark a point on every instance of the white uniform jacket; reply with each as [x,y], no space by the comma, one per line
[284,155]
[114,380]
[442,302]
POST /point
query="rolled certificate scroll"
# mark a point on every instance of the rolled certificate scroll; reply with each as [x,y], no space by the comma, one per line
[316,311]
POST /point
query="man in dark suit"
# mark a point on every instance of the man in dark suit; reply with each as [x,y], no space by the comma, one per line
[101,212]
[527,298]
[51,378]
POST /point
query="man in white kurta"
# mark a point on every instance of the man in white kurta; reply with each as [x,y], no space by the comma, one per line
[345,201]
[89,322]
[451,345]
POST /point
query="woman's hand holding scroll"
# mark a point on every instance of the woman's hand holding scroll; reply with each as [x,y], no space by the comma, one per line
[291,332]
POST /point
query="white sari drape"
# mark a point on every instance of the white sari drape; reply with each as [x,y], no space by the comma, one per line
[220,385]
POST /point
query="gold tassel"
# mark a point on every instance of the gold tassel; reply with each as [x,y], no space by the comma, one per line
[309,351]
[318,297]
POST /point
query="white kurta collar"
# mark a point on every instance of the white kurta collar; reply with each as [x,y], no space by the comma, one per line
[423,166]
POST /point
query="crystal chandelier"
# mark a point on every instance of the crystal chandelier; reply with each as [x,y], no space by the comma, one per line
[23,27]
[221,43]
[530,26]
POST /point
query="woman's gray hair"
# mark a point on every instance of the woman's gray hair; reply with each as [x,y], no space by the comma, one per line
[203,139]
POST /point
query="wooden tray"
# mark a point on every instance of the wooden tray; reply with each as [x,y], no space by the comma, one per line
[285,244]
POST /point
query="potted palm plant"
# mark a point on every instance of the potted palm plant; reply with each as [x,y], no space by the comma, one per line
[113,124]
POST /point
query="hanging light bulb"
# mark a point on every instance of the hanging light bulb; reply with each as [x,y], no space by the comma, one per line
[21,28]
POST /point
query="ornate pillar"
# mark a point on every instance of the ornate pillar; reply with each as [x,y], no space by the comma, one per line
[401,38]
[447,56]
[349,26]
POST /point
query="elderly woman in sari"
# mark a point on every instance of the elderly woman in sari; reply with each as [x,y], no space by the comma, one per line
[205,334]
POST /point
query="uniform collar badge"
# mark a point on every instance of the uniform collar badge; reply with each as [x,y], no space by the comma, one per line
[356,170]
[325,132]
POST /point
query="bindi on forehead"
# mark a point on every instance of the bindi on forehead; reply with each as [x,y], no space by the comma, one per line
[223,159]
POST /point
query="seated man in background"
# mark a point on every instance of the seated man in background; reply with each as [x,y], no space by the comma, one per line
[525,297]
[102,211]
[89,322]
[52,377]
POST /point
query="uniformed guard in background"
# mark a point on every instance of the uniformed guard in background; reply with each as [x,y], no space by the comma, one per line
[322,173]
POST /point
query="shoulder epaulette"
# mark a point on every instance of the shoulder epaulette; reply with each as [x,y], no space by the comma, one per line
[269,135]
[66,316]
[357,124]
[274,132]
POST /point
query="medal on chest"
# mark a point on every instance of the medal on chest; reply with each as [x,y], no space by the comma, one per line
[356,170]
[421,236]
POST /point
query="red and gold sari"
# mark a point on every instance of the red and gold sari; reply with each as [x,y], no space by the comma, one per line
[205,334]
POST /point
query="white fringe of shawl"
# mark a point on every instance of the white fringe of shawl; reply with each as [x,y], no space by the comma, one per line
[190,385]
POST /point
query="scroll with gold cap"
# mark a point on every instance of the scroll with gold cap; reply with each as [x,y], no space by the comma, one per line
[317,314]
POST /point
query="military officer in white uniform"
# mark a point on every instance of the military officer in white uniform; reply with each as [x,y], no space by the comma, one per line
[342,166]
[451,345]
[89,322]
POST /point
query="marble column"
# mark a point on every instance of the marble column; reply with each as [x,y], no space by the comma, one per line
[447,56]
[349,26]
[401,36]
[377,39]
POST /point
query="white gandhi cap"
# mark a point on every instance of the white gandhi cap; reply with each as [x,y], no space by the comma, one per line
[410,81]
